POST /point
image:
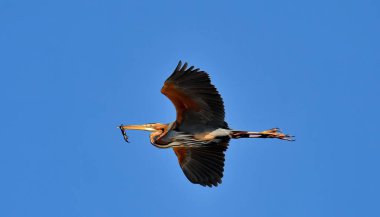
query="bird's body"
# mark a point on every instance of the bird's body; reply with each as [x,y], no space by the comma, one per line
[200,135]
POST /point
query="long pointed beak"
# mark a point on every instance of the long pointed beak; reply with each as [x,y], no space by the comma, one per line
[146,127]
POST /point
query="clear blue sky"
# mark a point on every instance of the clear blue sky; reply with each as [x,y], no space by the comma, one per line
[71,71]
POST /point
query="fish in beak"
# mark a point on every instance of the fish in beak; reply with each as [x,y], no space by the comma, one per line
[146,127]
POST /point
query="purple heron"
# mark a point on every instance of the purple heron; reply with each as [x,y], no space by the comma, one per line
[199,136]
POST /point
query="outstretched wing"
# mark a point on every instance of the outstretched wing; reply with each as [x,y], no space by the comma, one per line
[203,165]
[197,101]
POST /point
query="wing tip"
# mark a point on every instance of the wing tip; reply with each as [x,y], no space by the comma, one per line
[184,68]
[178,66]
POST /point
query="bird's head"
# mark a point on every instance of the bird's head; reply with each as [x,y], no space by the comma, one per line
[154,128]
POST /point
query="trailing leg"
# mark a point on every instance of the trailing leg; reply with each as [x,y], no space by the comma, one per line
[272,133]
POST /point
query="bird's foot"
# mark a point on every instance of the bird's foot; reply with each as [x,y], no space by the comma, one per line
[276,133]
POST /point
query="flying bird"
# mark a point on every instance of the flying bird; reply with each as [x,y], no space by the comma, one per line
[199,136]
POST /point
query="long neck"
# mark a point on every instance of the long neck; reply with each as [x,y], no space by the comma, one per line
[157,138]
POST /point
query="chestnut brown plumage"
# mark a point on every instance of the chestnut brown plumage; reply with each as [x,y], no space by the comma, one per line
[199,136]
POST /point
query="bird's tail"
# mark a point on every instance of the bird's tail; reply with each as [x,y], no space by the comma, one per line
[272,133]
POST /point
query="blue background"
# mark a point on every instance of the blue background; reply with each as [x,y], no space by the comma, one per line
[71,71]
